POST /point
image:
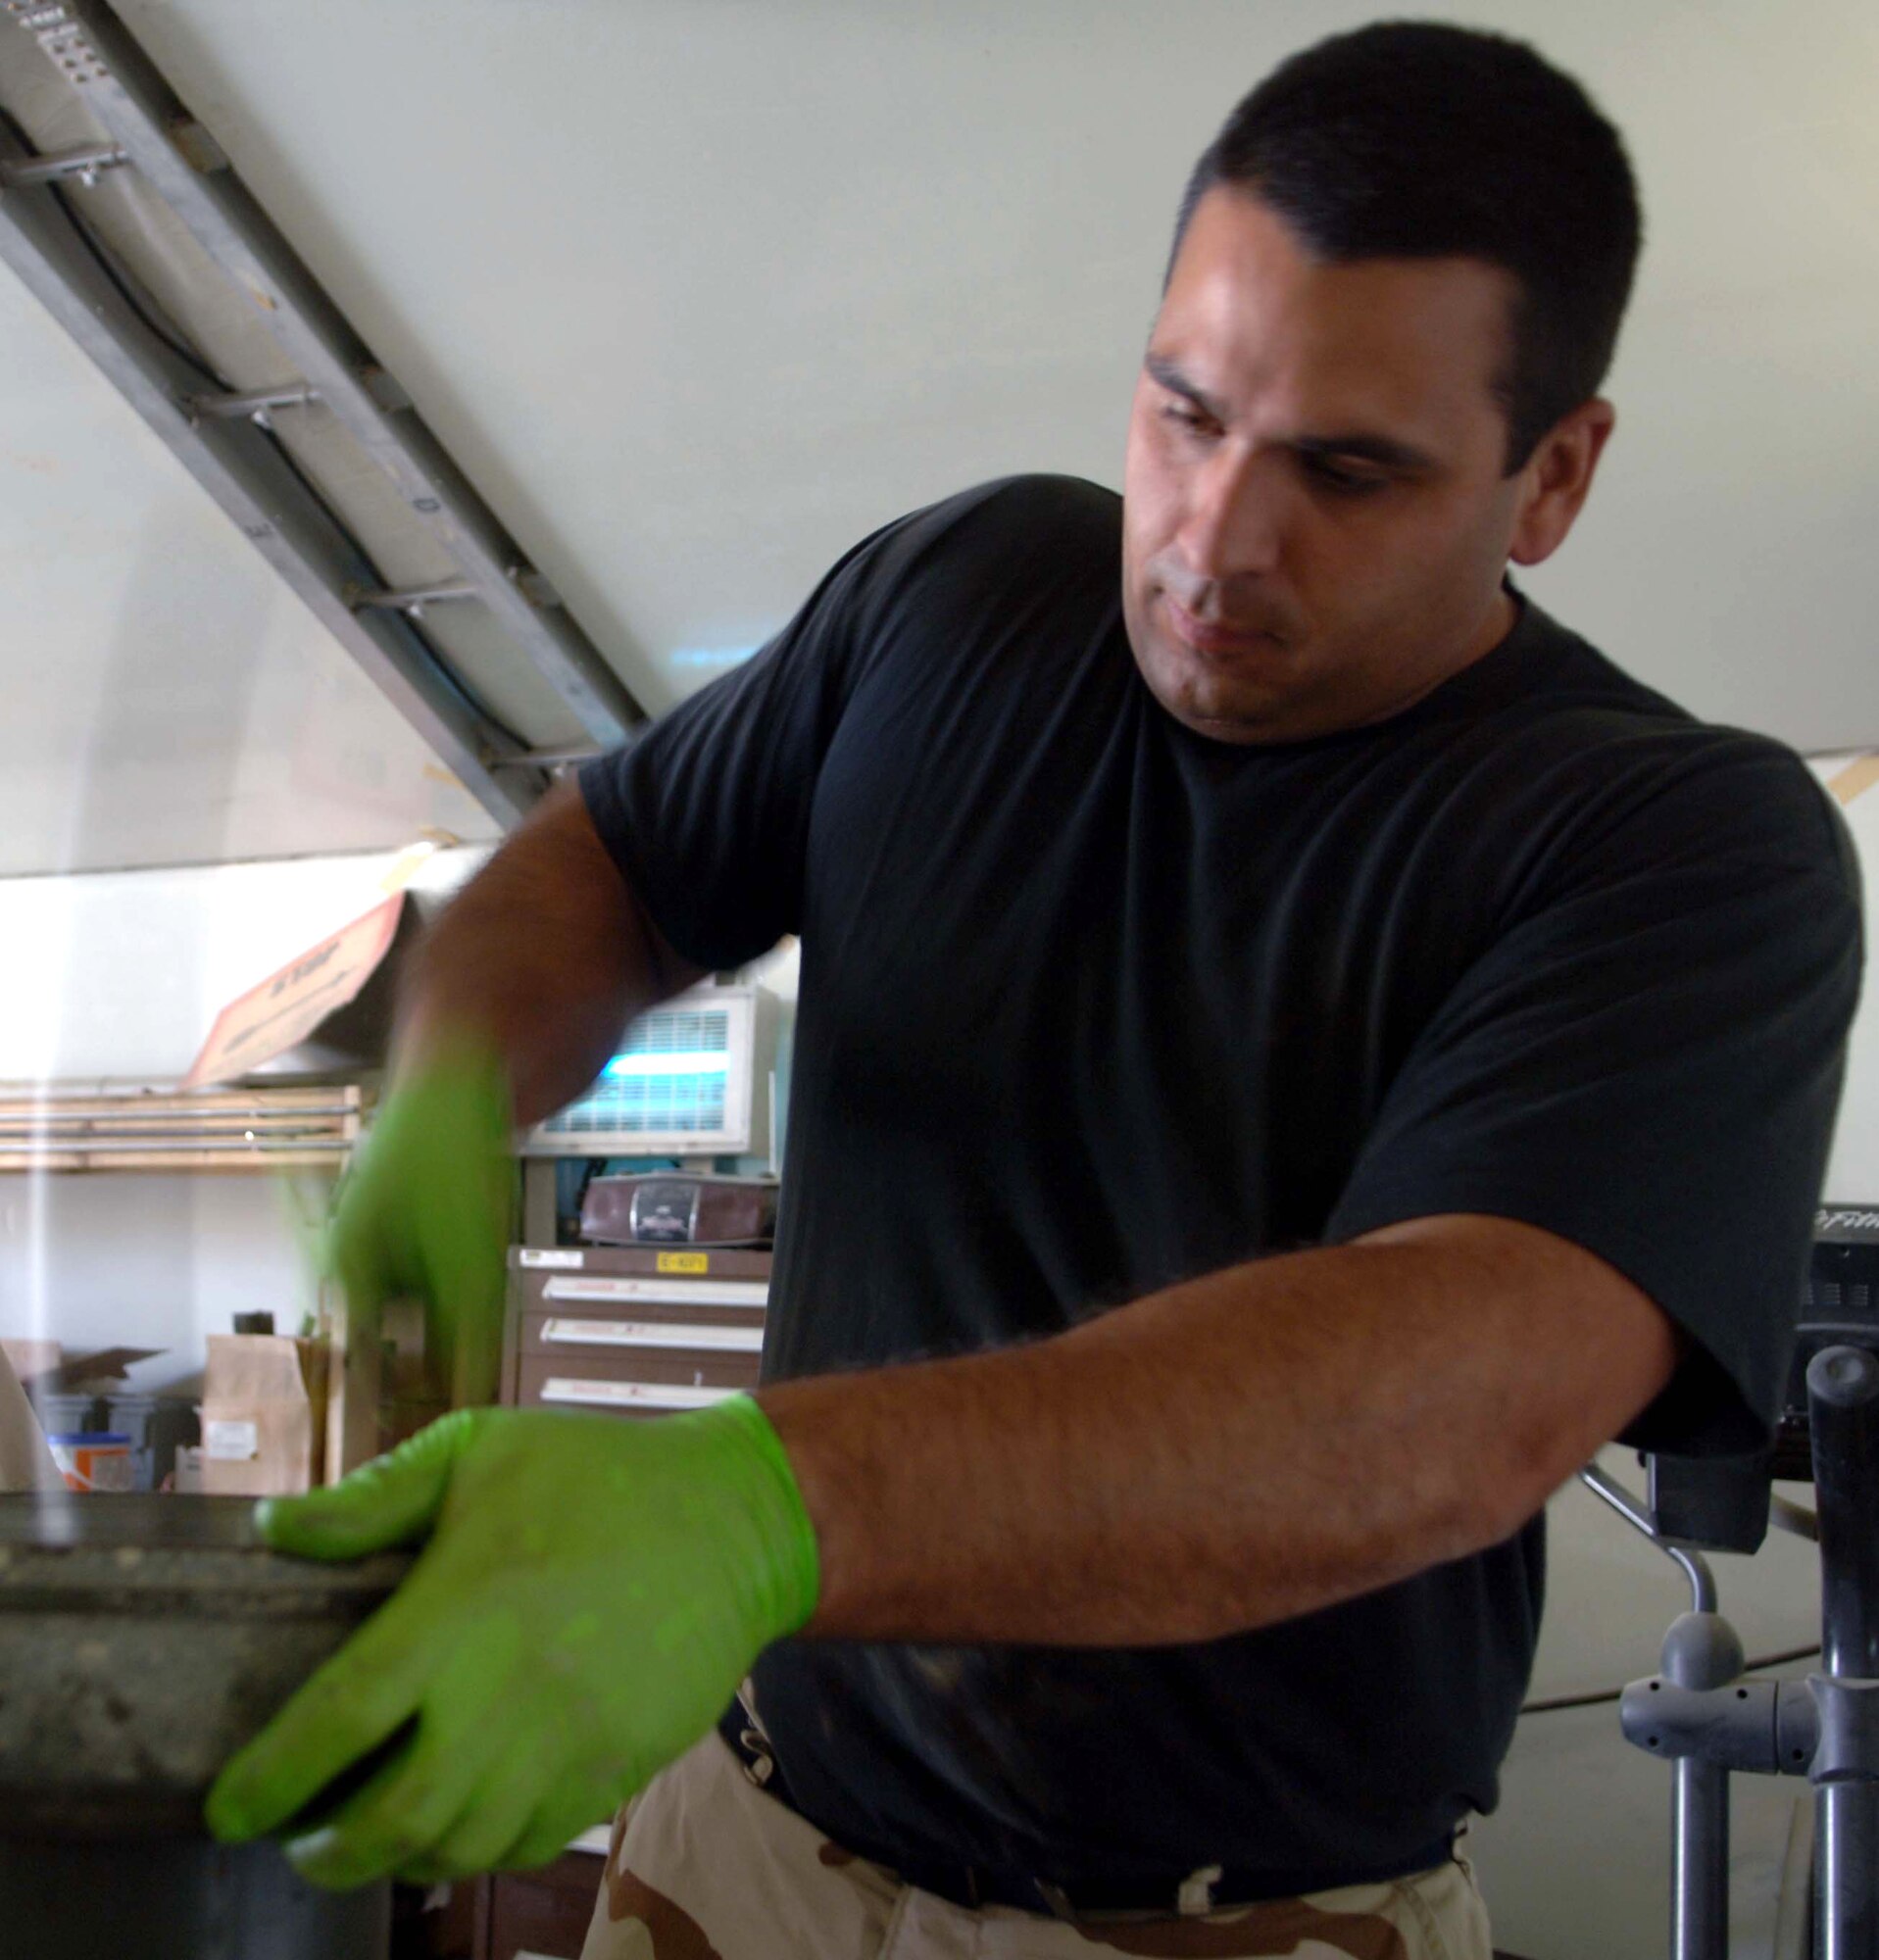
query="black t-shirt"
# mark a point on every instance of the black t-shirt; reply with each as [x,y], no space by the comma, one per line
[1091,1003]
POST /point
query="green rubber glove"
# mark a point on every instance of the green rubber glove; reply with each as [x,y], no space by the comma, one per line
[592,1593]
[425,1210]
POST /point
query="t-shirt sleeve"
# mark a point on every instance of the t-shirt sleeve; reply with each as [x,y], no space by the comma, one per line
[1647,1062]
[707,812]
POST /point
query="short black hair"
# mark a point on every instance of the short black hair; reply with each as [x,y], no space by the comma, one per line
[1418,139]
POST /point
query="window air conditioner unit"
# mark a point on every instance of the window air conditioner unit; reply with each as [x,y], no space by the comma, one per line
[691,1078]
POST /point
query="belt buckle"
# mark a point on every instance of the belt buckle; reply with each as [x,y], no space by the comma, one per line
[1195,1898]
[1058,1899]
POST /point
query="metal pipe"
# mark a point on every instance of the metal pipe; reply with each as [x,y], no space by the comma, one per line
[1847,1828]
[1700,1834]
[1842,1413]
[1696,1568]
[1843,1417]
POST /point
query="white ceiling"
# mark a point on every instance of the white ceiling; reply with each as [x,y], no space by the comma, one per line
[698,291]
[166,698]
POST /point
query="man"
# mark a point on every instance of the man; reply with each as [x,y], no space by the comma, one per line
[1293,1055]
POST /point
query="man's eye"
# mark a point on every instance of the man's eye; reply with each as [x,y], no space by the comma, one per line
[1190,418]
[1344,482]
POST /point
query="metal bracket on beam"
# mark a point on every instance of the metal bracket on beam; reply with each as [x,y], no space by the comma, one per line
[125,91]
[255,401]
[86,164]
[414,599]
[409,598]
[238,466]
[546,758]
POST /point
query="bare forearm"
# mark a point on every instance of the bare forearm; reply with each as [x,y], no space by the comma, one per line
[1231,1453]
[545,955]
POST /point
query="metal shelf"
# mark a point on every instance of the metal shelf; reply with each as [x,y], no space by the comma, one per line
[65,1128]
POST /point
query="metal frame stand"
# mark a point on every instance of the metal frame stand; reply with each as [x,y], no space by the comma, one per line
[1703,1717]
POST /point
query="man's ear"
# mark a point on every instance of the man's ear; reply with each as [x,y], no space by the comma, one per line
[1557,478]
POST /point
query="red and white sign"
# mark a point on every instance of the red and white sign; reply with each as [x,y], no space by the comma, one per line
[285,1008]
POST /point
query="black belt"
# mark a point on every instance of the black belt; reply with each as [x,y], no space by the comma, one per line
[975,1885]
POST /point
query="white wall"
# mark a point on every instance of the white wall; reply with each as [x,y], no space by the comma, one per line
[120,975]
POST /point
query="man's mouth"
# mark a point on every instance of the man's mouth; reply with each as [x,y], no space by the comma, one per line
[1216,639]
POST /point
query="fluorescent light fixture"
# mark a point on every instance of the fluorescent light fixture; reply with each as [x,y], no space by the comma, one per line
[697,1063]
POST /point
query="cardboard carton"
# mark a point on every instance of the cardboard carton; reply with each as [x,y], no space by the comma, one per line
[263,1415]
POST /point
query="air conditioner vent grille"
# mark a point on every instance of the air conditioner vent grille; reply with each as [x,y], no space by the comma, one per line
[671,1078]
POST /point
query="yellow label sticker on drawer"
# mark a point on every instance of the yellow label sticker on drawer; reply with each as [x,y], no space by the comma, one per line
[684,1263]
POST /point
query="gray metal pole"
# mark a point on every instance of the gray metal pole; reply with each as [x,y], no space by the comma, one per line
[1700,1651]
[1848,1834]
[1843,1402]
[1699,1837]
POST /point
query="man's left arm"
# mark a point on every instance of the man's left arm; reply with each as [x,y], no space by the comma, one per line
[1232,1452]
[1229,1453]
[1641,1071]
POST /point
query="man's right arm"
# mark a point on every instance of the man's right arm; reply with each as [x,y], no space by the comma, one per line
[542,959]
[512,1005]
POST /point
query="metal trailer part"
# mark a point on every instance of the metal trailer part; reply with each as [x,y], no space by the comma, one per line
[233,462]
[1842,1407]
[143,1640]
[1710,1721]
[164,143]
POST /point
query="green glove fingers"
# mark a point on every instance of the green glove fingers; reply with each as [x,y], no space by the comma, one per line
[411,1800]
[350,1707]
[592,1593]
[389,1502]
[487,1836]
[426,1208]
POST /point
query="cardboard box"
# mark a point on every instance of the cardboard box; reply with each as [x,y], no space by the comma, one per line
[263,1415]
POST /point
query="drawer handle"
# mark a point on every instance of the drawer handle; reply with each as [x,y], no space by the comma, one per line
[650,1334]
[629,1395]
[667,1293]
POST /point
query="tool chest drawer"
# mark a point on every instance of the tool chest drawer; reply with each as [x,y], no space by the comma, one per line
[647,1385]
[636,1342]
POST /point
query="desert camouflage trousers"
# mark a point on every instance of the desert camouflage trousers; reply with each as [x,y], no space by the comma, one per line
[703,1866]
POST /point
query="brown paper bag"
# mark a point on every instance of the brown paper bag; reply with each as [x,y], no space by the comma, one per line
[263,1415]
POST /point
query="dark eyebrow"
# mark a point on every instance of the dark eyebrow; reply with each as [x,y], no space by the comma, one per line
[1356,446]
[1164,371]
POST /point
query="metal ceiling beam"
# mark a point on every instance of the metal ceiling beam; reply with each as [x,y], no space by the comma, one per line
[240,467]
[142,113]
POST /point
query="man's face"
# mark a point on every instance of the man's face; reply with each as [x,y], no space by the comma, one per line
[1315,523]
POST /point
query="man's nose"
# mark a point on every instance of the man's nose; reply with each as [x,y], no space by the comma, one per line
[1234,521]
